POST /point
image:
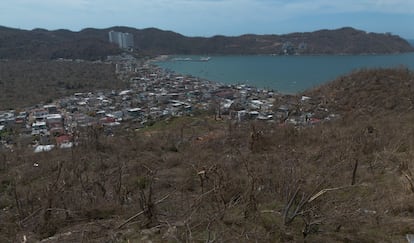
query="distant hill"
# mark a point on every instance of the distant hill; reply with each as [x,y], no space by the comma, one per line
[92,44]
[44,44]
[411,42]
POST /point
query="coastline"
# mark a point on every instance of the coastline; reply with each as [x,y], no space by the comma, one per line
[287,74]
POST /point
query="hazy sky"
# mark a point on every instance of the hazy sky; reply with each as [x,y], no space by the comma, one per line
[212,17]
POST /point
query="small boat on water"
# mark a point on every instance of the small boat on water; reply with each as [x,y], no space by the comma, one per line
[205,59]
[189,59]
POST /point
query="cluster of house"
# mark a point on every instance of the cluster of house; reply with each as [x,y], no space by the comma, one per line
[42,127]
[153,94]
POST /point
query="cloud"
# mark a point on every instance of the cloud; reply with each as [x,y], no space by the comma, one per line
[278,9]
[292,6]
[79,4]
[349,6]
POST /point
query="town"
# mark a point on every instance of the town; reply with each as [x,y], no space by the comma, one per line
[153,95]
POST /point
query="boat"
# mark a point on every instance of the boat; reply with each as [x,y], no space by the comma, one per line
[205,59]
[189,59]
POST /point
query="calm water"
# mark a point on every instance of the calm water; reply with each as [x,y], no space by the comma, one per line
[287,74]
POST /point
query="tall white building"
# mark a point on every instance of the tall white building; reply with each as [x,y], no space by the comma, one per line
[124,40]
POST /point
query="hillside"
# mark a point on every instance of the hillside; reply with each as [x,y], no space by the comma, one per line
[46,45]
[197,179]
[25,83]
[373,93]
[92,44]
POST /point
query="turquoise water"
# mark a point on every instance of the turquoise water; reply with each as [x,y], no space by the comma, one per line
[287,74]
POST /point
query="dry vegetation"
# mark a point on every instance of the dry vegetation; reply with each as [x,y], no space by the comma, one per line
[26,83]
[200,180]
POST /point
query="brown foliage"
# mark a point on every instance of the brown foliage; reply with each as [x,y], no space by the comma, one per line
[25,83]
[281,184]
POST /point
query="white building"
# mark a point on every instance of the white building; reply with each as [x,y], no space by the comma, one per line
[123,40]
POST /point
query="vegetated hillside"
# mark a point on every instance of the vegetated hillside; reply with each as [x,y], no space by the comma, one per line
[26,83]
[92,44]
[43,44]
[351,41]
[340,41]
[197,179]
[373,92]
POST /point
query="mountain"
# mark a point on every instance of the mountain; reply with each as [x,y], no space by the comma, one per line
[411,42]
[92,44]
[44,44]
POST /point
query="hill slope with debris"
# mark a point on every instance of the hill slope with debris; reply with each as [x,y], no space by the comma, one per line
[345,180]
[374,92]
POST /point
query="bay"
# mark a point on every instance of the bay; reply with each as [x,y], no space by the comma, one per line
[286,74]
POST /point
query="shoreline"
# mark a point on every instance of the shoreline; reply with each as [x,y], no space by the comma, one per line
[282,55]
[286,74]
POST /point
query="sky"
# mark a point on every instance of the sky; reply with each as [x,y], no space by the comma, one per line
[213,17]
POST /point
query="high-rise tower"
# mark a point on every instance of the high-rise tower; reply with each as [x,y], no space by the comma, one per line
[124,40]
